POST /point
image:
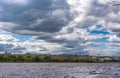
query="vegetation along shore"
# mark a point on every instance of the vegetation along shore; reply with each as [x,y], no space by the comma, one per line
[57,58]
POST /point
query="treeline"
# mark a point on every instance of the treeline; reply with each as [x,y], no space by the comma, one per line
[47,58]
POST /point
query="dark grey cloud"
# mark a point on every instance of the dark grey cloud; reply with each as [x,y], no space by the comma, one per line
[118,34]
[99,9]
[10,48]
[6,48]
[37,15]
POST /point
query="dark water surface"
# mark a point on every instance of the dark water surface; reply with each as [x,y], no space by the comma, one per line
[59,70]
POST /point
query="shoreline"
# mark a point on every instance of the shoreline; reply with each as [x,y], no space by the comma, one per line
[63,62]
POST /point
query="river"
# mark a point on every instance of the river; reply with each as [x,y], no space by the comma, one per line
[59,70]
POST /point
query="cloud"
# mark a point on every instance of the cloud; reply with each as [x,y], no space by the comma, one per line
[107,13]
[9,38]
[114,38]
[39,15]
[70,47]
[67,25]
[102,49]
[115,28]
[51,16]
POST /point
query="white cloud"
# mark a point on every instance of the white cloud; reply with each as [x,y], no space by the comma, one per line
[75,34]
[7,25]
[92,12]
[104,1]
[114,38]
[114,26]
[79,9]
[40,47]
[102,49]
[7,38]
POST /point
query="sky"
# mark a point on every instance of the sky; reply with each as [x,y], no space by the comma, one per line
[80,27]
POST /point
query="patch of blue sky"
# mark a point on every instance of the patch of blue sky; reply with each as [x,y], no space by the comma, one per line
[99,29]
[99,32]
[4,32]
[21,38]
[100,40]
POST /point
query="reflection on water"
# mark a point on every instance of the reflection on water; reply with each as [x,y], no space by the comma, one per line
[59,70]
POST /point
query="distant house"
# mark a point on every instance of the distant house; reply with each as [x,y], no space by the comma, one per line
[104,58]
[116,58]
[94,57]
[2,52]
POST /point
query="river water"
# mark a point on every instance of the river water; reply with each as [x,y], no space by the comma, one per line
[59,70]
